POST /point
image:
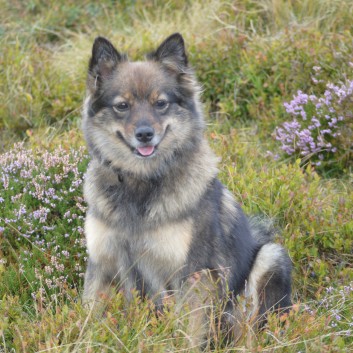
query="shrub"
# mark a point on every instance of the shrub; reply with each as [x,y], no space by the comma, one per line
[41,221]
[322,126]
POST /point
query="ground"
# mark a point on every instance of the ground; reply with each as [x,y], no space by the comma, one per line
[252,58]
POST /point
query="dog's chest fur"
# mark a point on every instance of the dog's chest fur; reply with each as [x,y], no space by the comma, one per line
[158,254]
[163,252]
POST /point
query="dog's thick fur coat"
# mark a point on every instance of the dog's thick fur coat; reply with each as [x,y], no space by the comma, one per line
[157,212]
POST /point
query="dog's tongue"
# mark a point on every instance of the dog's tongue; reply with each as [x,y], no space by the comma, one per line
[145,151]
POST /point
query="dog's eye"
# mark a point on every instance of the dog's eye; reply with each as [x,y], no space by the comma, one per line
[121,107]
[161,104]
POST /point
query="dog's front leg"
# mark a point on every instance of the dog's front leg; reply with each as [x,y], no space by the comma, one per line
[102,268]
[98,280]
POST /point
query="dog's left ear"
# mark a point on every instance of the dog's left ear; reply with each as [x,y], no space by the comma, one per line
[171,53]
[103,61]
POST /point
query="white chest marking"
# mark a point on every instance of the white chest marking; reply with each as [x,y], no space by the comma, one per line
[169,243]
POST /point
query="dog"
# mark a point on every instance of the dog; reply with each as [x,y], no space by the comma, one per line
[157,214]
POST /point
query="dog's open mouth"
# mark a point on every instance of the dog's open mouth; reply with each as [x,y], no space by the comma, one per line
[145,151]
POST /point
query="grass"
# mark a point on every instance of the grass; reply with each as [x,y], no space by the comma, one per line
[251,57]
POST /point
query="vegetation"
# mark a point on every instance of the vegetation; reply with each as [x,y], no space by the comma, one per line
[263,64]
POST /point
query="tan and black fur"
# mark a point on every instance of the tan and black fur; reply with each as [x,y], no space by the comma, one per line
[157,212]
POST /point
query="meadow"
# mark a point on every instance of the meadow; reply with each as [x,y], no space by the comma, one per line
[277,80]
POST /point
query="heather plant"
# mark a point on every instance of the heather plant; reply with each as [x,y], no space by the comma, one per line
[41,221]
[250,56]
[337,302]
[322,126]
[330,313]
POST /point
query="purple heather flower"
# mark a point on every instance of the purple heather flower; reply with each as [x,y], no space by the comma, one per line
[329,289]
[65,253]
[315,121]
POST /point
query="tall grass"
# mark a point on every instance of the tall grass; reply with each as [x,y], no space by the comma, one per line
[251,57]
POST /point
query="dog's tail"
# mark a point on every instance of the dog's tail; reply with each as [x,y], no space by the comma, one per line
[269,282]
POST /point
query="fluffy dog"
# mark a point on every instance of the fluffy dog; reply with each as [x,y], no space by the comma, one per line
[157,212]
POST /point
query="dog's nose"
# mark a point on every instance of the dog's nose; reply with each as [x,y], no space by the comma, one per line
[144,133]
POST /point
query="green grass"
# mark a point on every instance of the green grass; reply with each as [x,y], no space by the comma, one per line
[251,57]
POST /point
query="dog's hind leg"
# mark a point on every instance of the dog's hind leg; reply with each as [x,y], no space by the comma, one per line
[269,283]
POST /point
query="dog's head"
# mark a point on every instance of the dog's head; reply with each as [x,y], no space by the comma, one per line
[139,116]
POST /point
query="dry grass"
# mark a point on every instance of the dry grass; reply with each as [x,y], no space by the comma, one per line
[251,56]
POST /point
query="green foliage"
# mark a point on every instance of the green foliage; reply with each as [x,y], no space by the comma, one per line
[251,57]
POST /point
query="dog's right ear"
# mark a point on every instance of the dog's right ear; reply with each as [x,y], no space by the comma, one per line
[104,60]
[171,53]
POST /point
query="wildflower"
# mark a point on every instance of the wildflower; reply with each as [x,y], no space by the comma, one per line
[48,269]
[317,123]
[329,289]
[65,253]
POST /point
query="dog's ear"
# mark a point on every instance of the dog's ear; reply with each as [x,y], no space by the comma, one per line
[171,53]
[102,63]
